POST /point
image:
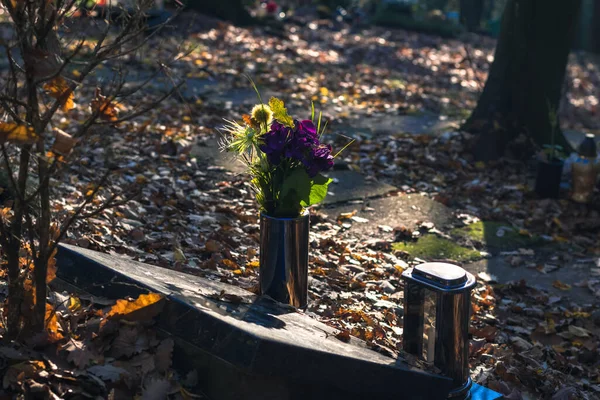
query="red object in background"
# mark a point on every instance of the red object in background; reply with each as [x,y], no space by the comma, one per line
[271,7]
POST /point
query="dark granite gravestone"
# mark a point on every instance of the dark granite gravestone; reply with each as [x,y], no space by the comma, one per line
[246,347]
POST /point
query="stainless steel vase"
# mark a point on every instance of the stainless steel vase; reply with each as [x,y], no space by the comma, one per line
[284,259]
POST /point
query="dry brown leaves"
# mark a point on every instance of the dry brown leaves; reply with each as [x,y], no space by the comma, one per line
[106,109]
[111,353]
[59,89]
[15,133]
[144,308]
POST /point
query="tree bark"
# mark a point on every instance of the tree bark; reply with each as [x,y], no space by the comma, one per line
[230,10]
[471,12]
[595,45]
[525,80]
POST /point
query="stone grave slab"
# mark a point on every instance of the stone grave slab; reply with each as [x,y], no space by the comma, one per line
[502,272]
[350,185]
[392,211]
[209,152]
[389,124]
[249,347]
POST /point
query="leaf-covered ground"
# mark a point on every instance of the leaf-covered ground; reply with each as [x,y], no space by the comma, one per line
[198,216]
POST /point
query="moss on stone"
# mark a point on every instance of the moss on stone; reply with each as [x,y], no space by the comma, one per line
[486,233]
[431,247]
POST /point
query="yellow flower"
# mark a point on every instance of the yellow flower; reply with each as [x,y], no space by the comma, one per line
[262,114]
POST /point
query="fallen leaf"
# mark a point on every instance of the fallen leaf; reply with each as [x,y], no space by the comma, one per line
[145,361]
[107,372]
[79,354]
[164,355]
[565,393]
[229,263]
[344,336]
[52,326]
[156,389]
[561,285]
[144,308]
[74,304]
[488,332]
[17,373]
[129,341]
[347,215]
[51,273]
[578,331]
[212,246]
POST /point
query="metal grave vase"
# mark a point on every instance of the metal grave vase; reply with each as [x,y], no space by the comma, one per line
[437,302]
[283,254]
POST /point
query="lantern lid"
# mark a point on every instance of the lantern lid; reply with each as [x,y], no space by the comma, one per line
[442,276]
[587,148]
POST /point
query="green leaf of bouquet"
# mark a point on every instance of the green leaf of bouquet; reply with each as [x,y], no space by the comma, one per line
[280,112]
[295,189]
[318,190]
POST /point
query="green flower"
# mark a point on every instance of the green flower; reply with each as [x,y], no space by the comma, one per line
[240,139]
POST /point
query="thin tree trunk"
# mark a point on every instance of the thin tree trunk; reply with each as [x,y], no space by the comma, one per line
[525,80]
[41,265]
[15,284]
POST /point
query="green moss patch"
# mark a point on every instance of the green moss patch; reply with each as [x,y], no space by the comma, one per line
[488,234]
[431,247]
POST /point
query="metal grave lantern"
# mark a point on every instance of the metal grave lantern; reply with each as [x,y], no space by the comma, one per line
[437,302]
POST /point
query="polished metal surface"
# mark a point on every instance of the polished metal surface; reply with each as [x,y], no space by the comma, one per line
[445,275]
[449,287]
[284,259]
[414,303]
[452,338]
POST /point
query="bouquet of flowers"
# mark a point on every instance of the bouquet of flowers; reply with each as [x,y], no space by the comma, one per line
[285,158]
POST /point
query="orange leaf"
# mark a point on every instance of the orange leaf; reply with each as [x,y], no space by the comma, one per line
[59,89]
[144,308]
[229,263]
[344,336]
[51,273]
[16,133]
[5,214]
[104,107]
[29,289]
[561,285]
[247,119]
[52,326]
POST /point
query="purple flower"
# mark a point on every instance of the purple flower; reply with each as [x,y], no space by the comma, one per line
[274,142]
[307,128]
[319,161]
[304,138]
[298,144]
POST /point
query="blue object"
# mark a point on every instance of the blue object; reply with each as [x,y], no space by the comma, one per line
[453,16]
[479,392]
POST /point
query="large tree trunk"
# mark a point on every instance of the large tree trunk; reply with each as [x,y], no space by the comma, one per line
[230,10]
[525,80]
[471,12]
[595,46]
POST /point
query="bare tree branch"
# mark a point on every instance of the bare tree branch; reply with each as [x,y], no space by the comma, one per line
[145,109]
